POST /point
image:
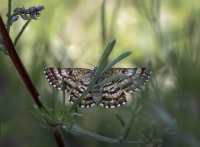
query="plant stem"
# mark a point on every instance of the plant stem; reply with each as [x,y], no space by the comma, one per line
[64,97]
[120,120]
[114,17]
[63,91]
[21,32]
[103,23]
[25,77]
[9,14]
[129,124]
[78,131]
[18,65]
[58,137]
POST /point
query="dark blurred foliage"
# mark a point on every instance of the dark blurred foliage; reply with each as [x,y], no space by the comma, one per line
[162,34]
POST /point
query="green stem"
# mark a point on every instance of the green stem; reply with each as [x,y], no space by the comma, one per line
[64,94]
[58,137]
[21,32]
[64,97]
[129,124]
[114,17]
[120,120]
[78,131]
[9,15]
[103,23]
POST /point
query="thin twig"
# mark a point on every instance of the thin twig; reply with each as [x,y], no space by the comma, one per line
[21,32]
[9,14]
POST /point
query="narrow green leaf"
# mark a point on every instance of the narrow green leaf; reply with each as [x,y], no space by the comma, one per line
[104,58]
[112,78]
[116,60]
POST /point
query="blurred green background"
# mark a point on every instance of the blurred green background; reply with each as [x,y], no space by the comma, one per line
[162,34]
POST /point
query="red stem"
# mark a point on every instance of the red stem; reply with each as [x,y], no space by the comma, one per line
[25,77]
[18,64]
[58,137]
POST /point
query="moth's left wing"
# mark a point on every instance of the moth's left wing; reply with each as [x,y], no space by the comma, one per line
[114,91]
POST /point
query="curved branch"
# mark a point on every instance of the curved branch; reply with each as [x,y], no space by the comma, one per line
[25,77]
[18,65]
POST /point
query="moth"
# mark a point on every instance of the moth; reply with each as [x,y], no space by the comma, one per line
[107,92]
